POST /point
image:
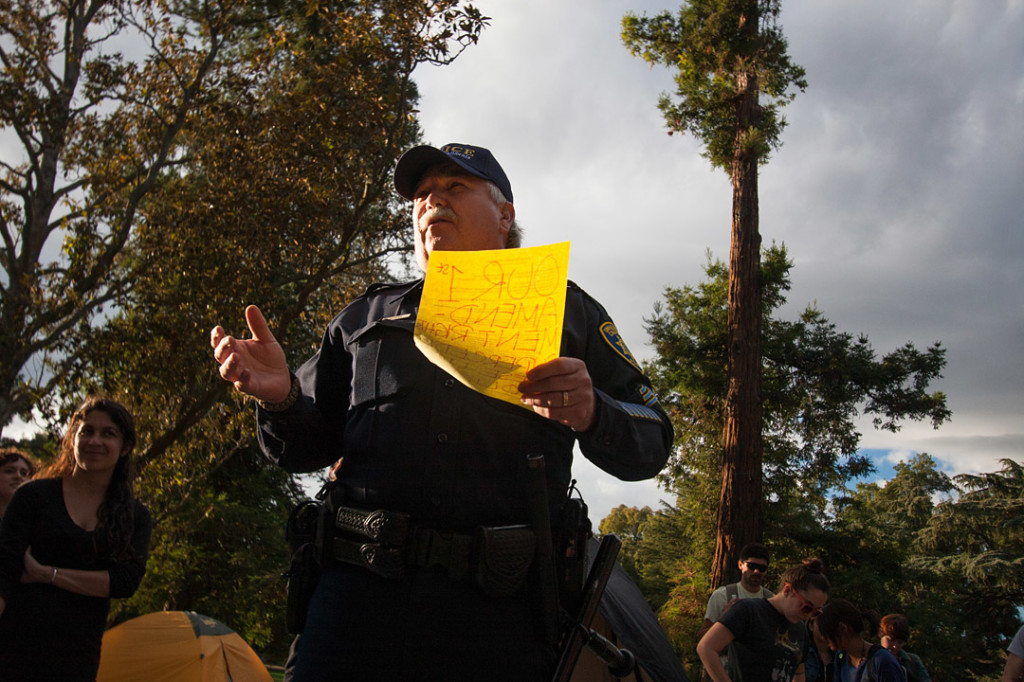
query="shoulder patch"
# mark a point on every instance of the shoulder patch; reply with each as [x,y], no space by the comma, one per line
[614,339]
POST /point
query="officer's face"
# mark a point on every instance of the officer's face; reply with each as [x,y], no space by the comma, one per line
[454,211]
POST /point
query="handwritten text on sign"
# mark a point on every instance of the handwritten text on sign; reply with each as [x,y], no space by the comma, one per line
[488,317]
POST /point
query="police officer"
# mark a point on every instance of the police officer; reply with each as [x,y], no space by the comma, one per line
[439,462]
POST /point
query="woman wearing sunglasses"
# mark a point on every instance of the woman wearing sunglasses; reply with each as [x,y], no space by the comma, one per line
[766,638]
[857,660]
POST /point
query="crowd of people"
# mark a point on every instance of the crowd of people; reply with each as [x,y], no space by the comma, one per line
[432,544]
[798,634]
[749,633]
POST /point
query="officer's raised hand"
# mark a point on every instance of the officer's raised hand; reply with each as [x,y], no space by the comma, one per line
[256,366]
[561,389]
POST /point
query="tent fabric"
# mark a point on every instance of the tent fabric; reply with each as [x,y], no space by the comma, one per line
[204,625]
[635,626]
[177,646]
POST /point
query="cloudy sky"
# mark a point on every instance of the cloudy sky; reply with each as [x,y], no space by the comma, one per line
[899,189]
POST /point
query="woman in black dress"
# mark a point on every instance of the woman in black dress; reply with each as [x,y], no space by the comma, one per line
[71,539]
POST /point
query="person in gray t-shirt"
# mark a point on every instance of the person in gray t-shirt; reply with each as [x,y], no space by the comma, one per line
[1014,669]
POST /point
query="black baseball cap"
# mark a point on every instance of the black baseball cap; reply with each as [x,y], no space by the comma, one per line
[413,164]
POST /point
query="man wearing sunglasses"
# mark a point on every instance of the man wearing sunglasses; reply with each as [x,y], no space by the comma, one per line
[753,565]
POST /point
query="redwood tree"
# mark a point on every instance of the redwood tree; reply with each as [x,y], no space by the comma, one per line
[734,76]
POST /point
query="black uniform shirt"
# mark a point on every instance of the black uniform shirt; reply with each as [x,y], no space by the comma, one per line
[415,439]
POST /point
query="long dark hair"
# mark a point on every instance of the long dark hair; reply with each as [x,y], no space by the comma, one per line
[864,623]
[117,512]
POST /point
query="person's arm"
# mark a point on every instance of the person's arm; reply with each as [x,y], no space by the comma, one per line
[714,610]
[709,649]
[630,436]
[1014,669]
[89,583]
[120,580]
[292,430]
[562,390]
[309,435]
[705,626]
[126,574]
[798,676]
[15,531]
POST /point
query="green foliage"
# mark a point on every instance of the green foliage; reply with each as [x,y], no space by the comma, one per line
[728,53]
[973,545]
[817,381]
[919,544]
[723,51]
[218,543]
[981,534]
[628,524]
[95,131]
[100,133]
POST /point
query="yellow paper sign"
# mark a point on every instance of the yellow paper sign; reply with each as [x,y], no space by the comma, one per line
[488,317]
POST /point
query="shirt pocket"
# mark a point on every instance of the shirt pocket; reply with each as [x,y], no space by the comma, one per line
[386,362]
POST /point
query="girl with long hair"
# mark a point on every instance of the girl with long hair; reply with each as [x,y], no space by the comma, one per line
[71,539]
[857,659]
[767,638]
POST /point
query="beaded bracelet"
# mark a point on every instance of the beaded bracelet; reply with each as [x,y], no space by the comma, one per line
[293,395]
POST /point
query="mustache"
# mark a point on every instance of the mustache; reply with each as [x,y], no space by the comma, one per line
[441,212]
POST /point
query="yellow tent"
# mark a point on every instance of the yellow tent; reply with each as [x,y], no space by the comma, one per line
[177,646]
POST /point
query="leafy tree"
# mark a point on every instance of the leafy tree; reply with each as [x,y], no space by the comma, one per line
[96,130]
[817,381]
[947,554]
[980,535]
[628,524]
[873,534]
[99,130]
[733,78]
[218,544]
[974,544]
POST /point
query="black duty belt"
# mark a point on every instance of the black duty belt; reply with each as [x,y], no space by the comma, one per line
[386,542]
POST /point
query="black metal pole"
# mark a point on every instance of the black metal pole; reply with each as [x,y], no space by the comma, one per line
[540,519]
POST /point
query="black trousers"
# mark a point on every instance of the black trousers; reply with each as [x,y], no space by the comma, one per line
[424,627]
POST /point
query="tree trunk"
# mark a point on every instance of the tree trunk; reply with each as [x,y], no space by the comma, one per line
[739,505]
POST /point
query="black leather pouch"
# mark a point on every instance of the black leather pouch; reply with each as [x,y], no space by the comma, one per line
[505,554]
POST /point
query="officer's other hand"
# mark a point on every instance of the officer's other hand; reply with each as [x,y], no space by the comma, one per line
[256,366]
[561,389]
